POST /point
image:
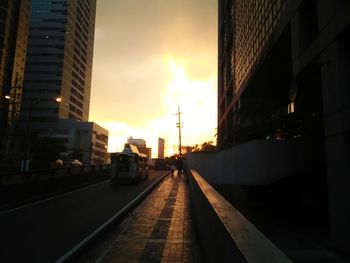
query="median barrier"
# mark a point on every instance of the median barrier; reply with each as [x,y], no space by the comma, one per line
[224,234]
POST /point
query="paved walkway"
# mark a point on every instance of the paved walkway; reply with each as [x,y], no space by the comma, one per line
[159,230]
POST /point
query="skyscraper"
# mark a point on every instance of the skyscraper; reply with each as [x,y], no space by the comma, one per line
[247,31]
[59,60]
[14,26]
[161,143]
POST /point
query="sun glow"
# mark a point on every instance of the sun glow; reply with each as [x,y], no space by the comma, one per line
[142,74]
[195,97]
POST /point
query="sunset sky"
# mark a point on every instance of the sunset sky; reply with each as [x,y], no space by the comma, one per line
[150,57]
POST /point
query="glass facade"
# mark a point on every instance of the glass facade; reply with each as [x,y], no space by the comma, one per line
[245,32]
[14,29]
[254,23]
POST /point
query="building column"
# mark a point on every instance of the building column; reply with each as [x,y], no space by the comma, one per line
[336,107]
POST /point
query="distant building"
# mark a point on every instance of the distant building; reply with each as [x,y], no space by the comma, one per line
[161,143]
[146,150]
[59,60]
[96,137]
[87,139]
[14,30]
[137,142]
[141,145]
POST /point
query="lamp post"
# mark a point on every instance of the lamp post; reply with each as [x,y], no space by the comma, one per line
[12,111]
[14,100]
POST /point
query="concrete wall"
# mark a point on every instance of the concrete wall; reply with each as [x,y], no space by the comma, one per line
[224,234]
[335,61]
[257,162]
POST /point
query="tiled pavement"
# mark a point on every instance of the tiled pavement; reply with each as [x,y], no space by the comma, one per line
[159,230]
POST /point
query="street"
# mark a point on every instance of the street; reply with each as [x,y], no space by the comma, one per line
[44,231]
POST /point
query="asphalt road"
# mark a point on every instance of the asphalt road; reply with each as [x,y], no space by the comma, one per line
[44,231]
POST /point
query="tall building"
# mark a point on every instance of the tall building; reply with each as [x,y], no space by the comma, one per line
[284,77]
[59,60]
[161,143]
[247,31]
[14,27]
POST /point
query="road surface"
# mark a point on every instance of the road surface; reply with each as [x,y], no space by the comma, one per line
[45,230]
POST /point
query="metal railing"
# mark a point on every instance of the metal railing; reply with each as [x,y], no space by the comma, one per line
[19,188]
[45,174]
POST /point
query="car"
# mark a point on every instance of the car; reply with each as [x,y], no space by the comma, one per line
[76,163]
[73,163]
[58,163]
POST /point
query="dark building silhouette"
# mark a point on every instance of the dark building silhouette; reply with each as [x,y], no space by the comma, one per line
[14,26]
[284,76]
[59,60]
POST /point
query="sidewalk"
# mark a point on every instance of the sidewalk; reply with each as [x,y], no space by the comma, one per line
[159,230]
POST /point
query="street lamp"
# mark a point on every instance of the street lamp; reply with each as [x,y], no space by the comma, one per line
[32,101]
[15,100]
[12,115]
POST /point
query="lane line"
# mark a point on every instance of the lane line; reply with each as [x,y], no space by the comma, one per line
[75,250]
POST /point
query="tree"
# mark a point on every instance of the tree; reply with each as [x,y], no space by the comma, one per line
[205,147]
[76,154]
[46,151]
[208,146]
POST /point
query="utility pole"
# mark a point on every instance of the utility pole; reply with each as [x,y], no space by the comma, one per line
[179,125]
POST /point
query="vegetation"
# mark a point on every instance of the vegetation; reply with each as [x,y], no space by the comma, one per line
[76,154]
[46,151]
[204,147]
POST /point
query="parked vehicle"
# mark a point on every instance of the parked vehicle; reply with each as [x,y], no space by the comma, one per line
[75,163]
[57,164]
[129,164]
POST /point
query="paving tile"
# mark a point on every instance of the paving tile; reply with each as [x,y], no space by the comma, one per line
[161,229]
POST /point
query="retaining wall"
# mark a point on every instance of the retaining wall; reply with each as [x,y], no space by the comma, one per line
[224,234]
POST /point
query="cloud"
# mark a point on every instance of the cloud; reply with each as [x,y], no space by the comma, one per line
[151,56]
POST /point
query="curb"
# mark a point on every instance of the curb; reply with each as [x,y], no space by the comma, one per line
[74,252]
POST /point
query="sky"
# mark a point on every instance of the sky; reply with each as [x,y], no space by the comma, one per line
[151,57]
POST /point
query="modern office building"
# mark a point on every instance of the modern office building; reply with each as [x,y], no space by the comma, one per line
[14,29]
[86,141]
[59,60]
[284,77]
[92,140]
[247,31]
